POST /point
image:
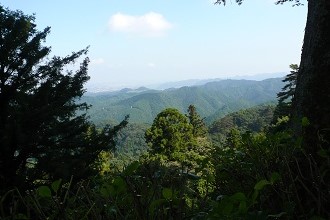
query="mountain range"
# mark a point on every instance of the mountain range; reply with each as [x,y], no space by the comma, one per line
[104,86]
[212,100]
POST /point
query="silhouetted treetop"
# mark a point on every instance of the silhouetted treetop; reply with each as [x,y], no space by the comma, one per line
[296,2]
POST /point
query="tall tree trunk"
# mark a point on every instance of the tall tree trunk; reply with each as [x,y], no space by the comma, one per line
[312,98]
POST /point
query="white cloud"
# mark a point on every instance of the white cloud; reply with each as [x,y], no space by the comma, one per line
[150,24]
[97,61]
[151,65]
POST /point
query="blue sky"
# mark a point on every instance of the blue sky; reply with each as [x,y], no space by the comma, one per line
[141,42]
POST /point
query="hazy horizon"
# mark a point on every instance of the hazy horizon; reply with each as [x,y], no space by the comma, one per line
[141,43]
[104,87]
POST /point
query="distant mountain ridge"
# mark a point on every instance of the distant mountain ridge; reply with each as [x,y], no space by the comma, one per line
[101,87]
[199,82]
[212,100]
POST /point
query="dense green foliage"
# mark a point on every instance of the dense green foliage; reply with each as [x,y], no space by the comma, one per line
[256,171]
[255,119]
[251,176]
[41,136]
[130,140]
[171,135]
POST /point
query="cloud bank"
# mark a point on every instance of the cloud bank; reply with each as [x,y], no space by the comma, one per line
[151,24]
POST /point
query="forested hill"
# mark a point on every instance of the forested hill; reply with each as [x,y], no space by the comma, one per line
[212,100]
[254,119]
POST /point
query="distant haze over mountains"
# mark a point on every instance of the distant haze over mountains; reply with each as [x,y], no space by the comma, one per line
[212,99]
[93,87]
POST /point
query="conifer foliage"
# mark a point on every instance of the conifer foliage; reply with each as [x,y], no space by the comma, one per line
[41,135]
[286,95]
[199,127]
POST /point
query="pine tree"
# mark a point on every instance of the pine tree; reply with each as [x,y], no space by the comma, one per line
[41,134]
[199,127]
[288,91]
[285,97]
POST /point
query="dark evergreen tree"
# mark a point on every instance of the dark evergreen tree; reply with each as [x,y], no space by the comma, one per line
[41,135]
[285,97]
[199,127]
[287,93]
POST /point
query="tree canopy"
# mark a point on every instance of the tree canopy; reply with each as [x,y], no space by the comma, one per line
[41,134]
[170,134]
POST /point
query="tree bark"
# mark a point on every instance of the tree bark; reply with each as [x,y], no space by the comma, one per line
[312,98]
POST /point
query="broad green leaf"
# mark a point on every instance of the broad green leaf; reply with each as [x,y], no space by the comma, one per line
[305,122]
[167,193]
[238,197]
[261,184]
[44,191]
[242,207]
[56,185]
[255,196]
